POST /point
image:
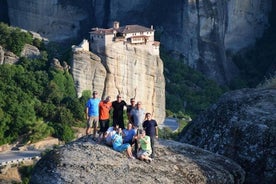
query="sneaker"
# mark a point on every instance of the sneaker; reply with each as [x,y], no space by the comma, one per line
[149,160]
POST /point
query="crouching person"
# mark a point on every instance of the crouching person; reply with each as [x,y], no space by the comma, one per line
[145,147]
[117,143]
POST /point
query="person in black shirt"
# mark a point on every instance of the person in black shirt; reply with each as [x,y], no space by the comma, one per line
[129,108]
[151,128]
[118,111]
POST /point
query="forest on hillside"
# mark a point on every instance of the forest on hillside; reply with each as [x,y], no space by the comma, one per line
[36,100]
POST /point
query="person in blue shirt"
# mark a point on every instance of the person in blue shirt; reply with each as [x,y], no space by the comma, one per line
[128,134]
[92,114]
[117,143]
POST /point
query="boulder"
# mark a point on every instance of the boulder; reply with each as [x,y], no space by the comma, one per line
[85,161]
[241,126]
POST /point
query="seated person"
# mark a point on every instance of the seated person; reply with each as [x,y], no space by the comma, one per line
[117,142]
[145,147]
[109,133]
[128,134]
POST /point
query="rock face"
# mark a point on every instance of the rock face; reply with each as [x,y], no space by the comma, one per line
[29,51]
[199,31]
[88,72]
[89,162]
[7,57]
[129,70]
[51,19]
[241,126]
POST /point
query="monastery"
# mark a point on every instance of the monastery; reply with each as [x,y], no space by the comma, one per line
[127,35]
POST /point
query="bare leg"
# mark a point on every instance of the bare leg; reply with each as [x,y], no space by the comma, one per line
[94,129]
[129,152]
[88,130]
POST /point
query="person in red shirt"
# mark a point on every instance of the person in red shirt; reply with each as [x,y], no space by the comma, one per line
[104,109]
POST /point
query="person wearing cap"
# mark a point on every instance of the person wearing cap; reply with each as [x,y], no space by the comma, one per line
[118,111]
[92,114]
[104,109]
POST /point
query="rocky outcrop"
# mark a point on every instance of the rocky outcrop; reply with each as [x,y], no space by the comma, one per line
[241,126]
[28,51]
[9,58]
[129,70]
[88,72]
[199,31]
[2,53]
[89,162]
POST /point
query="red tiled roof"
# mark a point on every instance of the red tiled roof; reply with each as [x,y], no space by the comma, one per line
[124,30]
[133,29]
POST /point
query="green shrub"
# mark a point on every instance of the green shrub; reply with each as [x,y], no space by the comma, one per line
[13,39]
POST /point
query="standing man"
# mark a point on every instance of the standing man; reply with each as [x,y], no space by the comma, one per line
[138,115]
[129,108]
[151,128]
[92,114]
[104,109]
[118,111]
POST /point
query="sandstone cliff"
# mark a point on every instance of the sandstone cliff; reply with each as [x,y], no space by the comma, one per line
[129,70]
[199,31]
[89,162]
[241,126]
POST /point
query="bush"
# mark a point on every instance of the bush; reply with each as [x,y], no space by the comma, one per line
[13,39]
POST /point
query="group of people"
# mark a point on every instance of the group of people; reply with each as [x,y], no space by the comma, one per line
[137,139]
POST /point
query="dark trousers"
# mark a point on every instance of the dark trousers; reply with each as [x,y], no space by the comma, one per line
[152,146]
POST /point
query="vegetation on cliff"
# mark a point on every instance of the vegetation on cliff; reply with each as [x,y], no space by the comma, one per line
[36,100]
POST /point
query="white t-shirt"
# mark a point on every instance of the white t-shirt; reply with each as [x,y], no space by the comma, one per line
[110,132]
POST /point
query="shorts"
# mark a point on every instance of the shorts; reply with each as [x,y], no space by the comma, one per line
[92,121]
[122,148]
[144,153]
[104,124]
